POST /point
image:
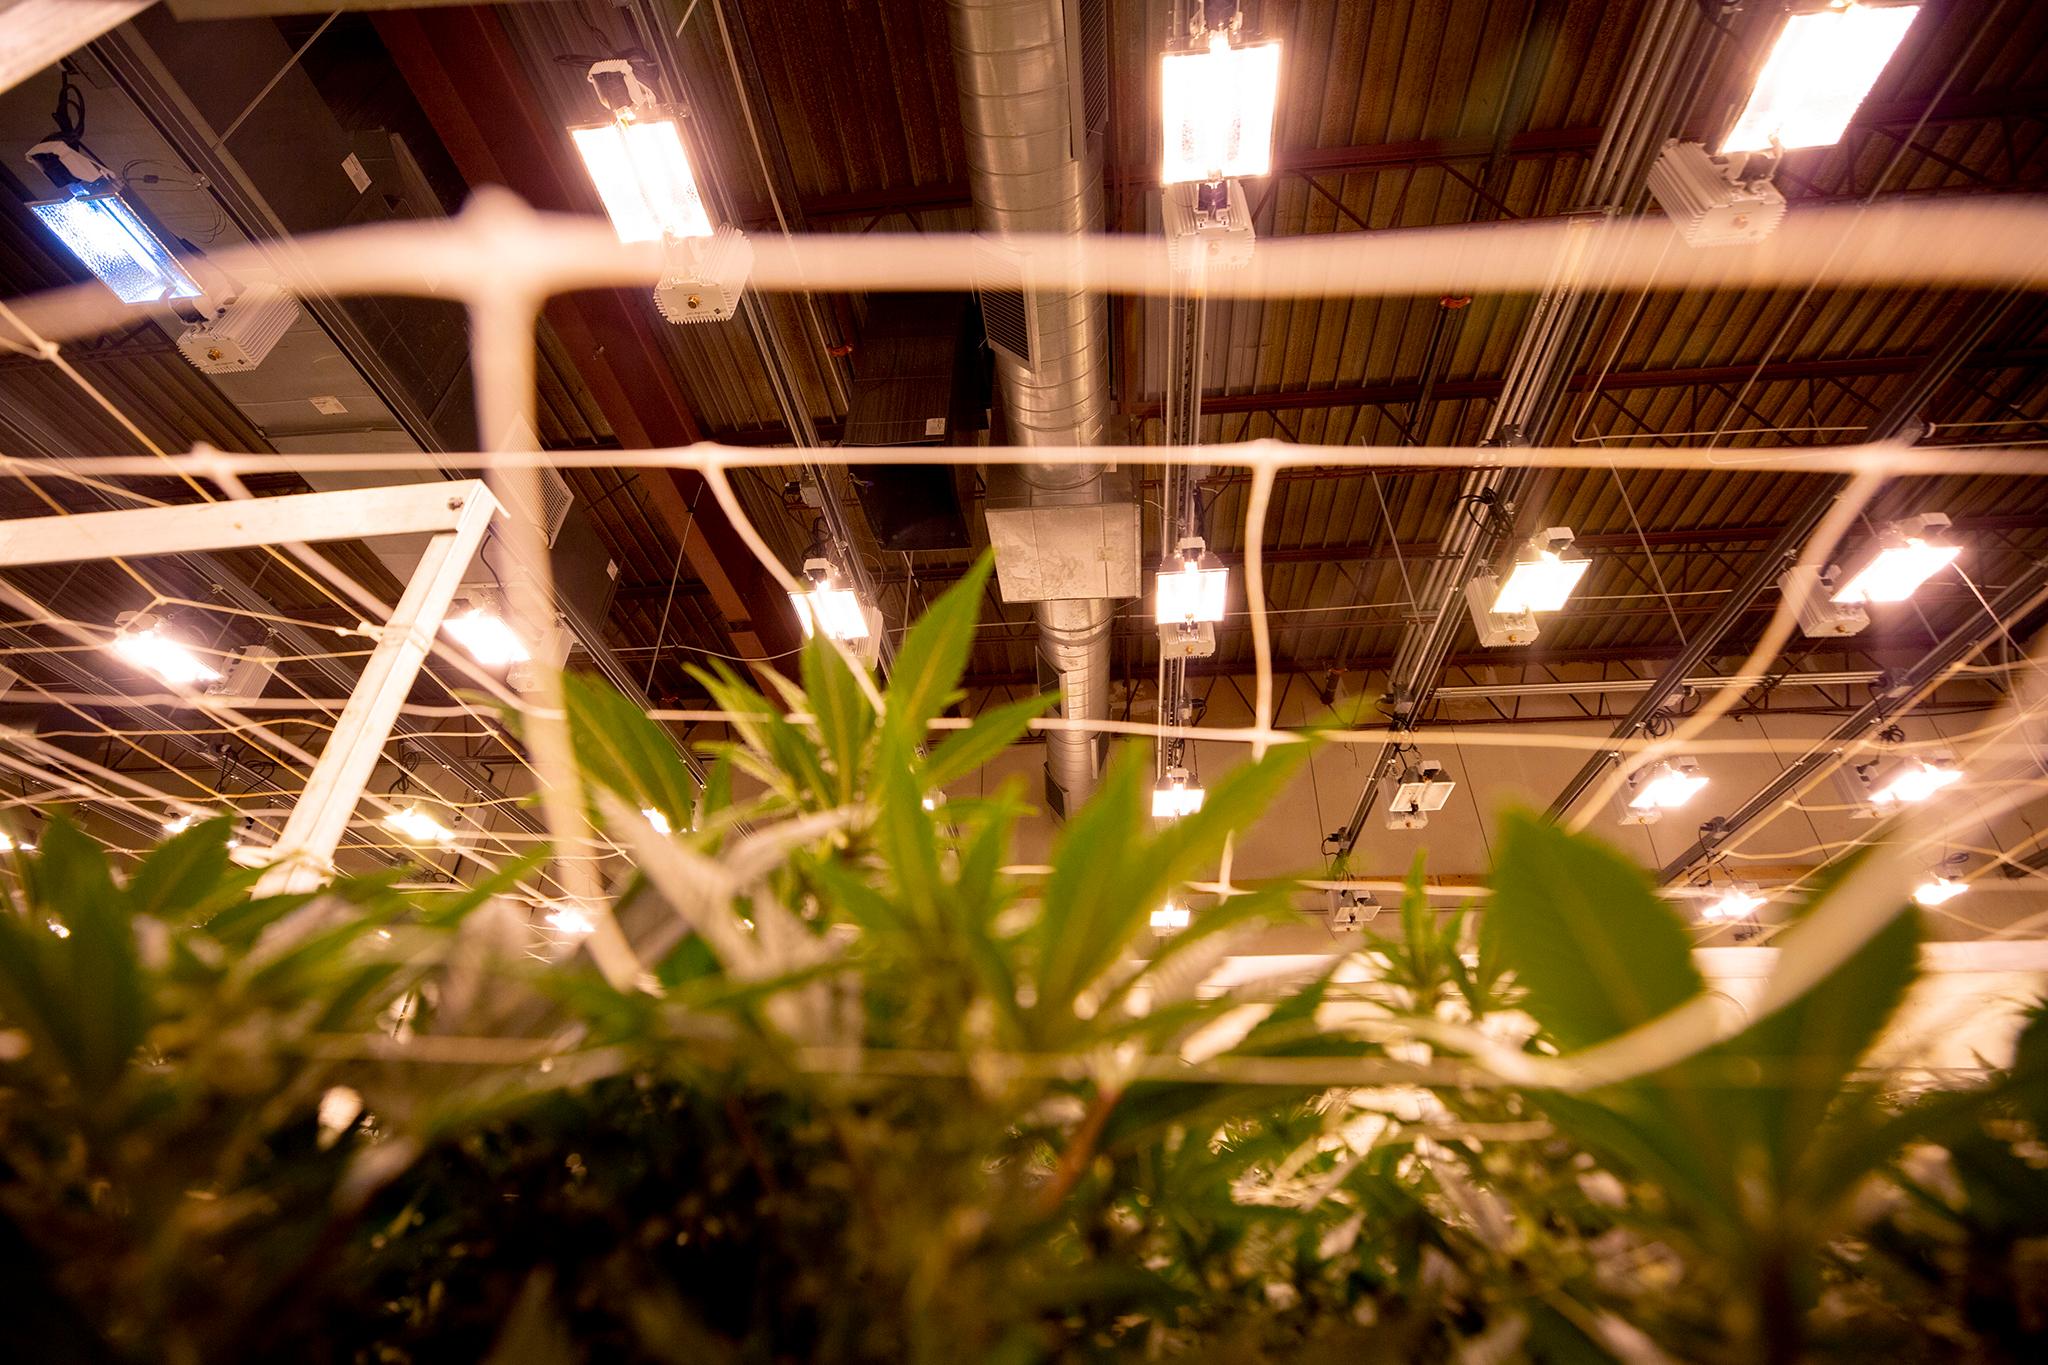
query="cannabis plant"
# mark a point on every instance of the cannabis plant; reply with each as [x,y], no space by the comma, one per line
[876,1094]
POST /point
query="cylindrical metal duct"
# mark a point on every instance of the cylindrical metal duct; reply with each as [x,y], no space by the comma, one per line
[1031,169]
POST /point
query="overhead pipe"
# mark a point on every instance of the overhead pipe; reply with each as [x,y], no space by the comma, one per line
[1031,170]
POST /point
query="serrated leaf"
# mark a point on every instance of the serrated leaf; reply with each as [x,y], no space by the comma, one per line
[619,747]
[842,714]
[925,677]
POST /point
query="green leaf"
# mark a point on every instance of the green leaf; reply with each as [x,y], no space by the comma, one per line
[925,677]
[99,995]
[190,876]
[993,731]
[1594,949]
[844,717]
[619,747]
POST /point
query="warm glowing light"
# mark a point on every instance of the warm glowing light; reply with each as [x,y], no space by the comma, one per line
[58,928]
[416,826]
[1176,796]
[1667,785]
[155,650]
[571,919]
[9,844]
[1939,890]
[1217,110]
[1737,902]
[1912,780]
[1817,76]
[1171,917]
[657,820]
[827,606]
[1540,582]
[1190,593]
[1897,571]
[643,175]
[111,241]
[487,637]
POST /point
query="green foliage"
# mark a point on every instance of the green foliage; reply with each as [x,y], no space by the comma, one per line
[881,1098]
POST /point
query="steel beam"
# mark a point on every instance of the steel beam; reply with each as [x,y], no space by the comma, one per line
[2023,595]
[1771,372]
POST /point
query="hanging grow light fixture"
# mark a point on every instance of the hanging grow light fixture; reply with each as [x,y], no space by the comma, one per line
[1545,571]
[1420,789]
[1217,104]
[1817,76]
[642,172]
[488,637]
[416,826]
[1667,784]
[1192,588]
[1908,553]
[1912,780]
[1171,918]
[1739,901]
[1938,890]
[146,642]
[1178,795]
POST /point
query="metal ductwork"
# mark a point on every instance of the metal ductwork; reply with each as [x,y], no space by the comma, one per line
[1031,95]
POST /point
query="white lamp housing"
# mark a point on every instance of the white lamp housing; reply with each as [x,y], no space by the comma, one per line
[829,605]
[1938,890]
[1171,918]
[1192,588]
[1349,908]
[1545,571]
[1216,107]
[242,333]
[1908,553]
[1812,592]
[1667,784]
[112,241]
[1739,901]
[416,826]
[146,642]
[488,638]
[1911,780]
[1421,788]
[1714,201]
[1176,796]
[705,276]
[643,175]
[1817,75]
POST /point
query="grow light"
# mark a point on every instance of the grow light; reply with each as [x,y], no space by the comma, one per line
[487,636]
[112,241]
[1543,575]
[828,606]
[1423,787]
[643,175]
[416,826]
[1817,76]
[571,919]
[1738,902]
[9,844]
[1939,890]
[656,820]
[1171,917]
[1176,796]
[1912,780]
[1216,111]
[1192,587]
[146,643]
[1909,553]
[1666,784]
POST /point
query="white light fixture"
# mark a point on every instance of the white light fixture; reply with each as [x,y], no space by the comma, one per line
[828,606]
[416,826]
[1217,108]
[1739,901]
[643,175]
[9,844]
[1545,571]
[1176,796]
[1171,917]
[656,820]
[146,642]
[1909,553]
[1911,780]
[488,638]
[570,919]
[1421,788]
[1666,784]
[178,824]
[1192,586]
[112,241]
[1939,890]
[1817,75]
